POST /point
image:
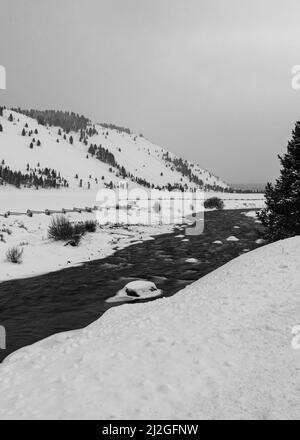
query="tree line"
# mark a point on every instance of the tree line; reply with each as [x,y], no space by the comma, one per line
[37,178]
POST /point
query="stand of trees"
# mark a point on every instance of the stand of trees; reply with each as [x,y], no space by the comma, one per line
[103,154]
[37,178]
[116,127]
[182,167]
[68,121]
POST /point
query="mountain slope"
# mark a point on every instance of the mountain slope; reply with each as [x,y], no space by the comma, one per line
[30,147]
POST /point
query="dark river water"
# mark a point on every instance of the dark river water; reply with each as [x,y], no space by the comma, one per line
[34,308]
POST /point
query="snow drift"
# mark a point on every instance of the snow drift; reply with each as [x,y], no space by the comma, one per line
[221,348]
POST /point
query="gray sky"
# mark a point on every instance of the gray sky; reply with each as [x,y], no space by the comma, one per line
[207,79]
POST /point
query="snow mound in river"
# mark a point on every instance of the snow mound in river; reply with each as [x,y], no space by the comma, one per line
[136,290]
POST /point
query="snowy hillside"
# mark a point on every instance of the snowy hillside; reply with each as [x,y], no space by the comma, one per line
[214,350]
[29,147]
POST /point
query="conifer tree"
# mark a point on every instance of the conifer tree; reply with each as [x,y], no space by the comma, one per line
[281,216]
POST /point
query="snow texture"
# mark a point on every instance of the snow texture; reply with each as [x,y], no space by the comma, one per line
[221,348]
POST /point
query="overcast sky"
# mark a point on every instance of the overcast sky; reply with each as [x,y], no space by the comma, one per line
[208,79]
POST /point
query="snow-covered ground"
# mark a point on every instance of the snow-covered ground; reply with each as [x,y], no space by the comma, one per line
[221,348]
[12,199]
[40,255]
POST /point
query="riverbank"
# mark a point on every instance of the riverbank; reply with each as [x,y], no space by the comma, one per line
[219,349]
[34,308]
[41,255]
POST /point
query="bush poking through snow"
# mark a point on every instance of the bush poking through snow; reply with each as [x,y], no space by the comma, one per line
[78,230]
[60,228]
[214,203]
[90,226]
[14,255]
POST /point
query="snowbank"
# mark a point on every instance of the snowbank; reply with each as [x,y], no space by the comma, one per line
[221,348]
[41,255]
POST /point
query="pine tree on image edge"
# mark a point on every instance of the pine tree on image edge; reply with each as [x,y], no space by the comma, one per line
[281,216]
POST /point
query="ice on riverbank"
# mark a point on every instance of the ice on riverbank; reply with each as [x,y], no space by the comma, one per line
[221,348]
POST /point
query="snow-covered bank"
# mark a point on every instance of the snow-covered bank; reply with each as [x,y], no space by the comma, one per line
[41,255]
[12,199]
[221,348]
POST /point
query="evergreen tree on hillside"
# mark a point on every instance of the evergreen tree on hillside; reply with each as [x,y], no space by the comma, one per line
[282,213]
[71,140]
[1,128]
[10,118]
